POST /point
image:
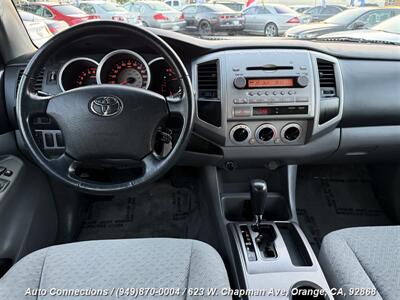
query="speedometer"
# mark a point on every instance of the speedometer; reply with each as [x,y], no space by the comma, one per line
[77,72]
[124,67]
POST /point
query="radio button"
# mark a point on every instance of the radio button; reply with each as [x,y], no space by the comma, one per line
[259,93]
[266,93]
[302,81]
[251,93]
[291,92]
[282,93]
[242,111]
[240,82]
[275,93]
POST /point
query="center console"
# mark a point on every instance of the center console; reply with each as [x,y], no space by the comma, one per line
[271,254]
[255,102]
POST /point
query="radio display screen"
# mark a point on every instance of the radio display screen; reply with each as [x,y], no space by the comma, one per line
[270,82]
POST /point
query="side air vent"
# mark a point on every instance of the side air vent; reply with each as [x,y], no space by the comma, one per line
[329,101]
[20,72]
[209,103]
[207,80]
[38,85]
[39,80]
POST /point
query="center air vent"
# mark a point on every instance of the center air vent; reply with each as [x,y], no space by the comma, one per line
[207,80]
[329,101]
[209,103]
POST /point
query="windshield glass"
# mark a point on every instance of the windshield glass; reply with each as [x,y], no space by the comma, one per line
[111,7]
[229,19]
[392,25]
[68,9]
[159,6]
[344,17]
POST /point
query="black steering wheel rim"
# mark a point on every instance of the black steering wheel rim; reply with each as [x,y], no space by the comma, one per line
[28,102]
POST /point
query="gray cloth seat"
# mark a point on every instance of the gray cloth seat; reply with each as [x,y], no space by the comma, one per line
[108,264]
[365,257]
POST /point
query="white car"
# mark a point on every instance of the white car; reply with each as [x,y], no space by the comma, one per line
[109,11]
[38,31]
[270,19]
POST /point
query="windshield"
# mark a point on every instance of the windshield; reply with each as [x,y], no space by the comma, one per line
[68,9]
[231,19]
[159,6]
[392,25]
[111,7]
[344,17]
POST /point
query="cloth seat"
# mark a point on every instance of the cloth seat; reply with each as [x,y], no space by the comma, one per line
[364,257]
[107,264]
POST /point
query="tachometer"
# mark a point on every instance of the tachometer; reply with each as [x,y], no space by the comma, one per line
[164,80]
[124,67]
[77,72]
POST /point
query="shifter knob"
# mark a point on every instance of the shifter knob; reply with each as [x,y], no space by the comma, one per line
[259,192]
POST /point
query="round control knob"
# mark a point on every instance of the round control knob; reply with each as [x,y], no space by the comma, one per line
[291,132]
[302,81]
[240,82]
[265,133]
[240,133]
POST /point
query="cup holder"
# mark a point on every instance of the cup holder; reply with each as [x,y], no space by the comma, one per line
[308,291]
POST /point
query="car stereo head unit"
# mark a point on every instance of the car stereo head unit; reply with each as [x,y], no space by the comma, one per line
[241,82]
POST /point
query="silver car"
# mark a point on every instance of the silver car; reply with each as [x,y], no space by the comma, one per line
[270,19]
[158,15]
[109,11]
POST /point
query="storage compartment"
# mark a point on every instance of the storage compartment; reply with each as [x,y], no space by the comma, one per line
[237,208]
[297,250]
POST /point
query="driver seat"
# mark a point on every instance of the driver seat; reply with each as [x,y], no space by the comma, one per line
[107,264]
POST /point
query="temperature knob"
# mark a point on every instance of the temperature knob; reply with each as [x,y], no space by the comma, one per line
[302,81]
[240,82]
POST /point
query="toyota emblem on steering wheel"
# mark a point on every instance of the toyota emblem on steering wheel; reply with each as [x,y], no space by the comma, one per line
[106,106]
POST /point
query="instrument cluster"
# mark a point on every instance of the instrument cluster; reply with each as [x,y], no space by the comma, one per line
[123,67]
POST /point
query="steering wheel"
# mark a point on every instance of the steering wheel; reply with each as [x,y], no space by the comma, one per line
[105,121]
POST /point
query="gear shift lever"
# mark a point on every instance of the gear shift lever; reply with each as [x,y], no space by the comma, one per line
[258,191]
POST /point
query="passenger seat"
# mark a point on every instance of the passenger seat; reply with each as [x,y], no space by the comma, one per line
[363,258]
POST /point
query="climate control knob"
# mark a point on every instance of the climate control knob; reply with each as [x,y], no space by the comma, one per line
[291,132]
[240,82]
[240,133]
[265,133]
[302,81]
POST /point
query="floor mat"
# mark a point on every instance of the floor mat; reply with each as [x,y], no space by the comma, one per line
[162,211]
[335,197]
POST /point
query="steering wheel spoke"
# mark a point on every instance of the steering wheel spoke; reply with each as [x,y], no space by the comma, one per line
[177,107]
[62,165]
[36,104]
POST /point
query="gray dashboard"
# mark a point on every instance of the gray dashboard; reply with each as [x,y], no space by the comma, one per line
[359,121]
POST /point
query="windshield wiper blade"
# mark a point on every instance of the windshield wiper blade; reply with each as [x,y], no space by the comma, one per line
[355,40]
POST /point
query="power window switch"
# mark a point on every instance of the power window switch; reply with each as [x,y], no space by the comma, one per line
[8,173]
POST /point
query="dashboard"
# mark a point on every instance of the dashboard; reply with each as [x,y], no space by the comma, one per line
[121,66]
[274,101]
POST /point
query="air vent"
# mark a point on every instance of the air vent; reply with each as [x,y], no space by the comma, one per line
[326,71]
[38,86]
[209,105]
[20,72]
[329,102]
[207,80]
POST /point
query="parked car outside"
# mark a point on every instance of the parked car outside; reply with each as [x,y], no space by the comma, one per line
[387,31]
[38,31]
[55,11]
[210,18]
[270,19]
[351,19]
[234,5]
[177,4]
[157,14]
[321,13]
[109,11]
[53,25]
[300,8]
